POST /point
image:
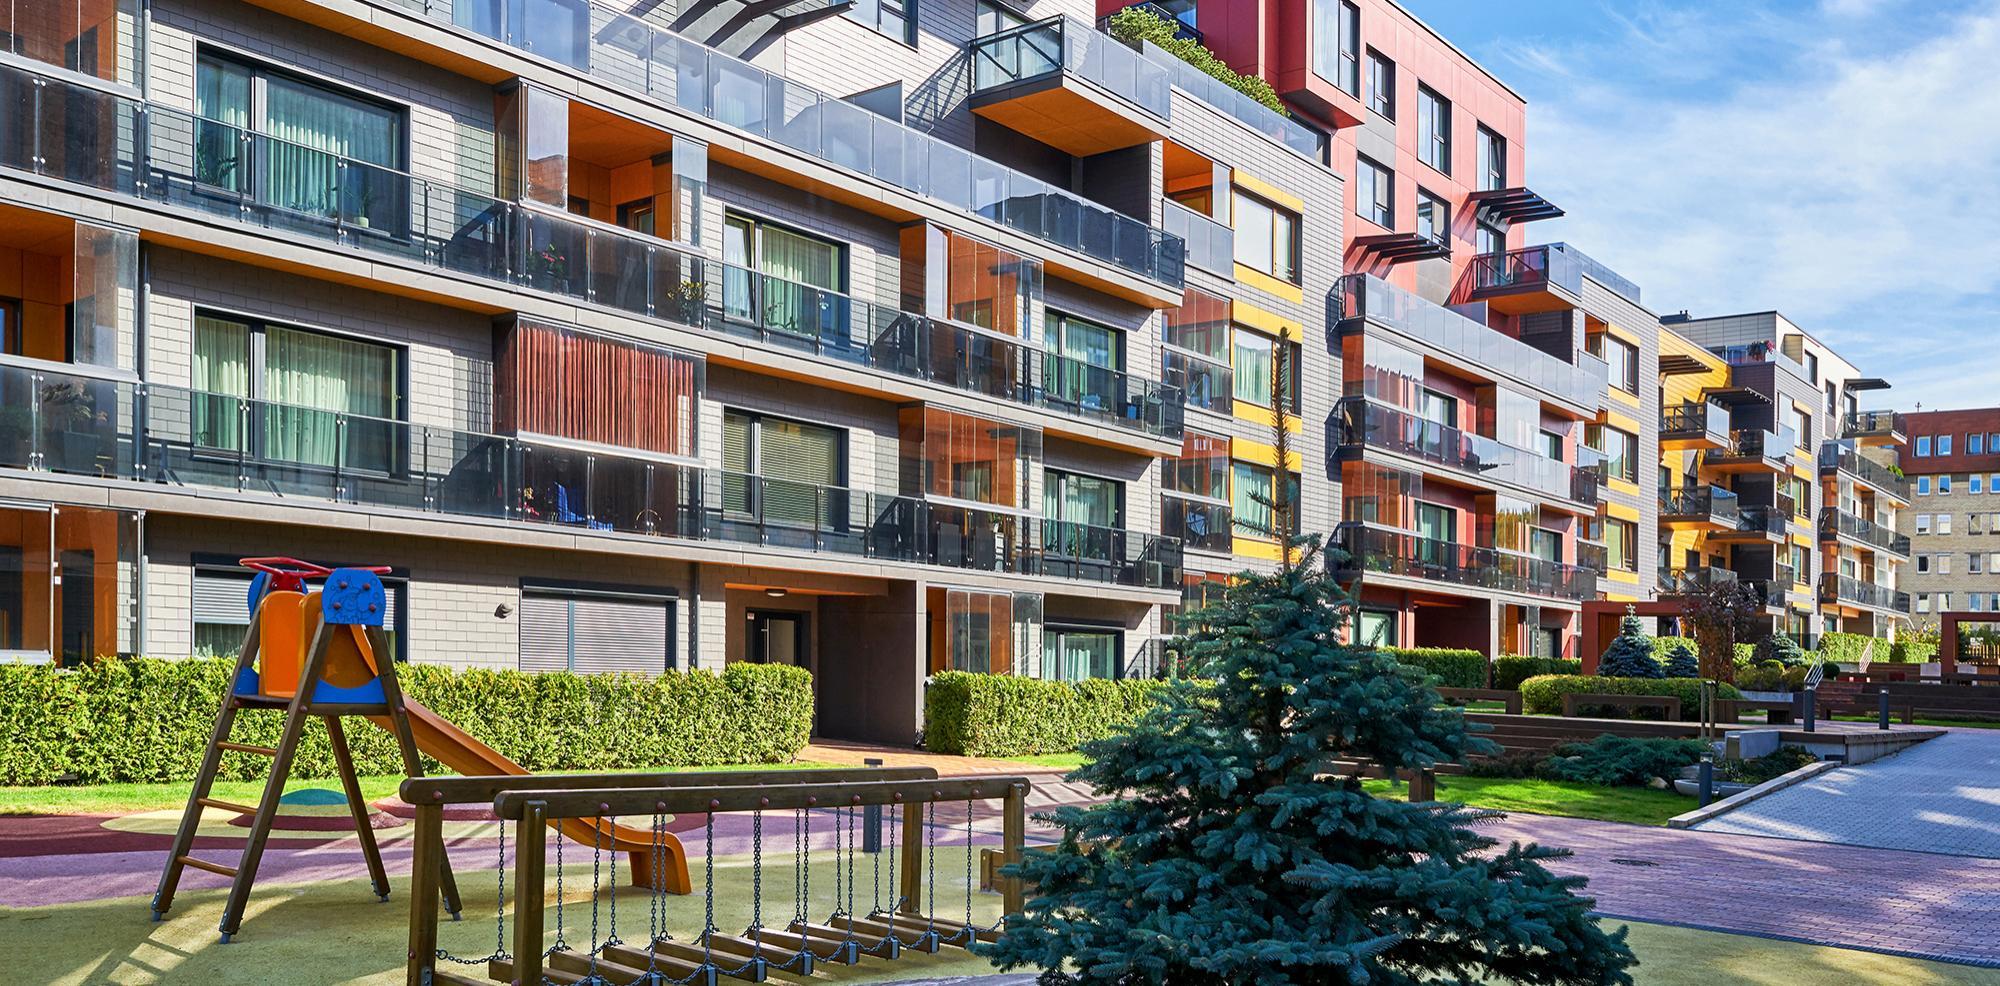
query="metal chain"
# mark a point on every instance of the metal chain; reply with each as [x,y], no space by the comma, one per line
[853,847]
[930,840]
[561,943]
[835,911]
[756,929]
[968,870]
[610,826]
[499,913]
[596,883]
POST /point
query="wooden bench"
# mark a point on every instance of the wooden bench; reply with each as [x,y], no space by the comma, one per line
[1669,706]
[1777,711]
[1466,696]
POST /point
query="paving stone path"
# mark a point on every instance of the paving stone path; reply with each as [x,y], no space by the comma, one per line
[1942,796]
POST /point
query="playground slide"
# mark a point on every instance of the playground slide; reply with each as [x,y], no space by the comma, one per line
[459,751]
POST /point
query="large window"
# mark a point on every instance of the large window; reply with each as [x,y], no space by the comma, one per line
[1433,217]
[890,18]
[1622,357]
[1080,514]
[309,128]
[596,632]
[1091,356]
[1076,653]
[1194,505]
[1254,354]
[1252,503]
[1267,237]
[1488,238]
[782,279]
[1196,355]
[1433,130]
[1381,84]
[781,470]
[1492,160]
[1620,448]
[325,400]
[1621,544]
[1337,44]
[222,613]
[1374,193]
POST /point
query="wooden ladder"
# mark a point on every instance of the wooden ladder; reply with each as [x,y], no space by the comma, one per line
[298,709]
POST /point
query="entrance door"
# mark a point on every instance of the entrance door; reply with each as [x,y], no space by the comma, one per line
[779,638]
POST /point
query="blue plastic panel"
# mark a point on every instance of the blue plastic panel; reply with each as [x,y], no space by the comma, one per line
[352,596]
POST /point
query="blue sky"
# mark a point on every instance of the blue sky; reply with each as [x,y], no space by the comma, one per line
[1837,160]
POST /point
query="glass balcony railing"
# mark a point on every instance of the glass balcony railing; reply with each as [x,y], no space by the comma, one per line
[1755,444]
[1199,524]
[1211,246]
[1593,557]
[1688,581]
[1550,265]
[640,56]
[1765,520]
[1711,503]
[1366,423]
[1300,139]
[1370,549]
[1696,421]
[1873,424]
[1071,46]
[1848,461]
[1839,523]
[107,142]
[1757,353]
[1367,297]
[1855,592]
[117,429]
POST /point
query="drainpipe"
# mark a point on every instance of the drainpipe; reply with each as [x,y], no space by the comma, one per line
[694,615]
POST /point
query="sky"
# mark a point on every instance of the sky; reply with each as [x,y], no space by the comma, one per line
[1835,160]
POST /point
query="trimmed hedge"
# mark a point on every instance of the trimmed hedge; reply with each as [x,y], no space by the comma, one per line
[998,715]
[1512,669]
[1909,650]
[1543,694]
[148,720]
[1453,667]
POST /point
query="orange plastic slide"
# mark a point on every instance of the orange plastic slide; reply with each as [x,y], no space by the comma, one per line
[458,751]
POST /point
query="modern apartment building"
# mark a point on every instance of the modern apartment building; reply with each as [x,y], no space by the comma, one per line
[1950,461]
[873,339]
[1781,449]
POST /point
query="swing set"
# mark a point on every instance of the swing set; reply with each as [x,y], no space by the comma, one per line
[904,913]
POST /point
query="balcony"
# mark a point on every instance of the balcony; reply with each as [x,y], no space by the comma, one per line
[1835,523]
[1211,246]
[1845,461]
[1700,508]
[1280,129]
[1366,298]
[1756,524]
[1540,279]
[1201,525]
[115,429]
[1874,427]
[1370,425]
[1753,450]
[1370,549]
[1694,427]
[1059,82]
[1691,581]
[1840,590]
[97,139]
[1593,556]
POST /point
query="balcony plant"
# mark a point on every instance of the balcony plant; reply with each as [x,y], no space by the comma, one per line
[1134,25]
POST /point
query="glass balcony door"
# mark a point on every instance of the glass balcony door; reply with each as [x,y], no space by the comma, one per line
[1091,357]
[784,281]
[284,394]
[1072,654]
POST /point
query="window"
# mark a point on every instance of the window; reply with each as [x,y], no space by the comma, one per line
[1944,484]
[1196,355]
[595,632]
[1337,44]
[1381,84]
[221,614]
[1944,564]
[1254,353]
[1923,486]
[1923,563]
[1374,193]
[1545,544]
[1251,501]
[1077,653]
[330,400]
[1552,445]
[994,18]
[1801,564]
[1923,602]
[1375,628]
[1091,356]
[1801,423]
[1441,408]
[1972,563]
[1972,483]
[1993,483]
[889,18]
[778,277]
[1267,238]
[1923,523]
[1433,217]
[1076,498]
[1436,523]
[11,335]
[1944,444]
[1801,493]
[1433,130]
[315,127]
[1620,448]
[1944,523]
[782,471]
[1923,445]
[1972,522]
[1492,160]
[1621,544]
[1621,356]
[1488,238]
[1975,443]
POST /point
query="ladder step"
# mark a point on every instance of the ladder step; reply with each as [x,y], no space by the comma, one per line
[262,751]
[227,806]
[202,864]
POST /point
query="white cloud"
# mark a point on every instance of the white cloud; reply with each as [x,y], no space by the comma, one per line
[1849,185]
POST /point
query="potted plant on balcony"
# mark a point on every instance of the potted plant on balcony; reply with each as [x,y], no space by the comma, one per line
[684,301]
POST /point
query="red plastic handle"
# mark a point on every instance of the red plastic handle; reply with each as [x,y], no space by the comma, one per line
[290,574]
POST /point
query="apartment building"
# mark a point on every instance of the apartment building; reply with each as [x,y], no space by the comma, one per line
[1808,476]
[872,339]
[1950,461]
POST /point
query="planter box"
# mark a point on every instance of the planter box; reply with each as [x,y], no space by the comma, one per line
[1769,696]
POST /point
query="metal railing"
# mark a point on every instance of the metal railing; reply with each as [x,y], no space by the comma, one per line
[1687,581]
[118,429]
[1857,466]
[1379,426]
[1834,588]
[1555,265]
[1873,424]
[1071,46]
[1365,297]
[1696,419]
[1705,502]
[1370,549]
[163,154]
[1836,522]
[1756,443]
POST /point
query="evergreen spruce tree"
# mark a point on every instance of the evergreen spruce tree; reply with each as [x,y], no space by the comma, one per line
[1781,648]
[1228,856]
[1682,661]
[1631,652]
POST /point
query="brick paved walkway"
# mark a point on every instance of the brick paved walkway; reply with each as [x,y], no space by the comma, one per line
[843,752]
[1941,796]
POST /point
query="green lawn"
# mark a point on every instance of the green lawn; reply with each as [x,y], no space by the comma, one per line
[1637,805]
[118,799]
[1061,761]
[1921,721]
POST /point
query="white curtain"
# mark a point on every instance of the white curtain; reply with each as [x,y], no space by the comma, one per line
[313,375]
[221,374]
